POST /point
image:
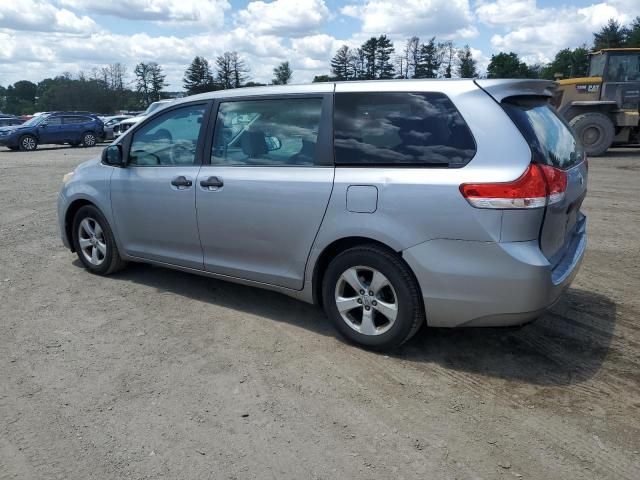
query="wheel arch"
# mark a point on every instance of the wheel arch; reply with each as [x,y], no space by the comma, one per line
[70,214]
[333,249]
[573,109]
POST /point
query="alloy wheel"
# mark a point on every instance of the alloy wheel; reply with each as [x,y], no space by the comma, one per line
[366,300]
[92,241]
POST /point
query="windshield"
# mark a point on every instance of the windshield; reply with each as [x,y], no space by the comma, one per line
[33,122]
[549,137]
[596,65]
[153,107]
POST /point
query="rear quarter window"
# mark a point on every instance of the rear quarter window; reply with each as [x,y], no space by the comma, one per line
[548,135]
[400,129]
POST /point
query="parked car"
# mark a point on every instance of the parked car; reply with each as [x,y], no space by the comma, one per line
[393,204]
[110,123]
[9,121]
[124,125]
[73,128]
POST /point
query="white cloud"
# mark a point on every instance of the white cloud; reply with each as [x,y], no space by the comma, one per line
[293,18]
[204,13]
[537,34]
[447,19]
[42,16]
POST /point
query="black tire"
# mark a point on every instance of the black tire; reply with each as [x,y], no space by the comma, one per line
[89,139]
[28,143]
[595,131]
[410,314]
[111,261]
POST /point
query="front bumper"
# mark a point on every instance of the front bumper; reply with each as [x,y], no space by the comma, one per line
[62,210]
[469,283]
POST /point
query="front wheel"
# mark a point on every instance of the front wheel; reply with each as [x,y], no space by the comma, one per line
[89,139]
[372,297]
[28,143]
[595,131]
[94,242]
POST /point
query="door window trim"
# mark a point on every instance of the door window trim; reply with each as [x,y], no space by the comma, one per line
[126,142]
[324,144]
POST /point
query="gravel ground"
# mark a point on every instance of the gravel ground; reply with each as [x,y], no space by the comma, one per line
[153,373]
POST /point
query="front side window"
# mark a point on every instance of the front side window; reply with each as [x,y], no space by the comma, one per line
[267,132]
[412,129]
[624,67]
[169,139]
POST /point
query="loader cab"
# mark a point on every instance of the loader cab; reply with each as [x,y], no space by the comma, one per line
[616,65]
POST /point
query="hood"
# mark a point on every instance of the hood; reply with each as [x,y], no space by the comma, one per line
[134,119]
[10,128]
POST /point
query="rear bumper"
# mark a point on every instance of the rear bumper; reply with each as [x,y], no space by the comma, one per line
[468,283]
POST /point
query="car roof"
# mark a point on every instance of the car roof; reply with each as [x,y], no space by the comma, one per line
[329,87]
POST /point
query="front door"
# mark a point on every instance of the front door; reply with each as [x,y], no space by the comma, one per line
[263,196]
[50,130]
[153,197]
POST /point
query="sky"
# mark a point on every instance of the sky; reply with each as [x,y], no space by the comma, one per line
[44,38]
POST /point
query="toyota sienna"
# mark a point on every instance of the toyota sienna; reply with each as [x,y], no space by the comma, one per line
[392,204]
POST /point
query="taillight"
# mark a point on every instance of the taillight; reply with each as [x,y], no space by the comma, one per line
[540,185]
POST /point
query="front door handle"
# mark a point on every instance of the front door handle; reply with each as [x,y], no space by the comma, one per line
[211,183]
[181,182]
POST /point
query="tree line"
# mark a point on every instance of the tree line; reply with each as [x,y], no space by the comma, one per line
[109,89]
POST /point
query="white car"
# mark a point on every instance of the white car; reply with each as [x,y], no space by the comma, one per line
[124,125]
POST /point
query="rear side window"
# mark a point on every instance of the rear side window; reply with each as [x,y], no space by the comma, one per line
[548,135]
[410,129]
[269,132]
[75,120]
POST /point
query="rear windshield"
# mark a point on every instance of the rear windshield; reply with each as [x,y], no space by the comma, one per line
[548,135]
[404,129]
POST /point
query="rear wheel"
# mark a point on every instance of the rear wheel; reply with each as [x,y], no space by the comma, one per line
[372,298]
[595,131]
[28,143]
[94,242]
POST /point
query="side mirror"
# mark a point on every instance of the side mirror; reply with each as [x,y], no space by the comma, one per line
[273,143]
[112,155]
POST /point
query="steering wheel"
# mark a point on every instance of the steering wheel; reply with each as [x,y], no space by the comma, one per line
[178,152]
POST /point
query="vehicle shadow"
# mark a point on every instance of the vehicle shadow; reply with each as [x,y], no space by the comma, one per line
[565,346]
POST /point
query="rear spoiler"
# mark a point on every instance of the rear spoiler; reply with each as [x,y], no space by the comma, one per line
[500,88]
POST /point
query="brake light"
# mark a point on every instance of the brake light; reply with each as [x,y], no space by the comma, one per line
[539,185]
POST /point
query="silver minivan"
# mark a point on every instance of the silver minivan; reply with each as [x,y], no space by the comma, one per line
[392,204]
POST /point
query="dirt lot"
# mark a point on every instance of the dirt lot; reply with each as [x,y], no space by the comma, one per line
[158,374]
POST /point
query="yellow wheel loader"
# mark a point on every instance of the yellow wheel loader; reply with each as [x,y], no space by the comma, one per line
[602,108]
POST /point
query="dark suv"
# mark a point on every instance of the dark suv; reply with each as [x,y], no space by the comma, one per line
[74,128]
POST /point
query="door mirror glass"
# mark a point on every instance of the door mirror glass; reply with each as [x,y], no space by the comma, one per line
[112,155]
[273,143]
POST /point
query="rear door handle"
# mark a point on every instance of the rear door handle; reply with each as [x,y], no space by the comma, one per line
[211,183]
[181,182]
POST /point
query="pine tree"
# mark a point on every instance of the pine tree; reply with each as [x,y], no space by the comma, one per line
[143,81]
[370,54]
[239,70]
[341,66]
[282,74]
[448,54]
[384,67]
[466,63]
[429,60]
[611,35]
[156,80]
[197,77]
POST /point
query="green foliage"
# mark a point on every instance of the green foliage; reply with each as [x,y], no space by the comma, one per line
[429,60]
[507,65]
[466,63]
[150,80]
[633,36]
[612,35]
[282,74]
[198,77]
[322,78]
[341,64]
[567,64]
